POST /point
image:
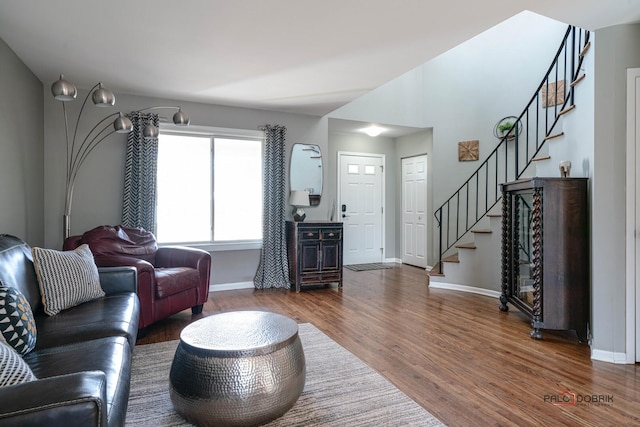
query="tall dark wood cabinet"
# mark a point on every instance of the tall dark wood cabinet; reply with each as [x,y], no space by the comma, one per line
[545,252]
[315,253]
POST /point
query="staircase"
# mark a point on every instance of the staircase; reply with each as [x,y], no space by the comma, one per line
[469,221]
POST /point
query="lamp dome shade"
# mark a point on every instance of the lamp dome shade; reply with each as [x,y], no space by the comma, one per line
[63,90]
[150,131]
[103,97]
[180,118]
[122,124]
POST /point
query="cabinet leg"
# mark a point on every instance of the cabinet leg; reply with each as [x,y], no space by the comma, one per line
[503,303]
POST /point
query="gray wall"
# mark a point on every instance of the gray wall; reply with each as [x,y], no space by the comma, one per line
[98,191]
[21,150]
[616,49]
[463,93]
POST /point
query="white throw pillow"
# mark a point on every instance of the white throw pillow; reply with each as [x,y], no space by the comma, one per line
[67,278]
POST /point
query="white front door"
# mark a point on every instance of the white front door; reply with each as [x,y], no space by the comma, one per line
[360,205]
[414,211]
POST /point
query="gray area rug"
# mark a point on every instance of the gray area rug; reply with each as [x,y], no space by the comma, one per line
[340,390]
[366,267]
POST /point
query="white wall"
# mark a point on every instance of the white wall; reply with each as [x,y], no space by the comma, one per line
[616,49]
[21,160]
[98,192]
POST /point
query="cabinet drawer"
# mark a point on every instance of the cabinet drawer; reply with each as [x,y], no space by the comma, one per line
[331,234]
[309,234]
[333,276]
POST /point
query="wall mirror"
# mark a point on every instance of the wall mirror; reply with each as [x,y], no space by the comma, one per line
[306,171]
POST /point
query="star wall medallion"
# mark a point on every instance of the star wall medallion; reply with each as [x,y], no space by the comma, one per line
[552,94]
[468,150]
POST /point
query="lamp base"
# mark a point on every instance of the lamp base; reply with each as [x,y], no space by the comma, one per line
[298,214]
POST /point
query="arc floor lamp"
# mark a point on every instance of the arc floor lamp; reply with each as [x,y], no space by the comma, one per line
[78,150]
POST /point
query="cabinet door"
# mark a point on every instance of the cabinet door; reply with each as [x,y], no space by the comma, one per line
[309,256]
[523,250]
[331,255]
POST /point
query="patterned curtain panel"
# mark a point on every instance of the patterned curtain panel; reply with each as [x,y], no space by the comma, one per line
[140,182]
[273,270]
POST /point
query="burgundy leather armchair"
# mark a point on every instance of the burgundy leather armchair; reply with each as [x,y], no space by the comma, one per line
[170,278]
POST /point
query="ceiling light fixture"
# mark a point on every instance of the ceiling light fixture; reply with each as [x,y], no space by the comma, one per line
[373,130]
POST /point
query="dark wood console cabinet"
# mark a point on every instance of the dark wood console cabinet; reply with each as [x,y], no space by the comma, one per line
[545,252]
[315,253]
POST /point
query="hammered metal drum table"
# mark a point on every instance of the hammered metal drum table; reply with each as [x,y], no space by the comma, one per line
[240,368]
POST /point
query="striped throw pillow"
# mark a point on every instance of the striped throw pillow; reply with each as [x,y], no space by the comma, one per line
[13,370]
[67,278]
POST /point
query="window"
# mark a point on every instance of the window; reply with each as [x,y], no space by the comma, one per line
[209,188]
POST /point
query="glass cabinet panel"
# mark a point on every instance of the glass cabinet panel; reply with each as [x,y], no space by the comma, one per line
[523,251]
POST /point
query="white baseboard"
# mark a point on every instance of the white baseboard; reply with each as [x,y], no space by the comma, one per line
[464,288]
[394,260]
[610,357]
[230,286]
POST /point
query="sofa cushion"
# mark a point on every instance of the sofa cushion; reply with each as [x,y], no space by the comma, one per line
[170,281]
[110,355]
[112,315]
[17,326]
[13,370]
[67,278]
[106,240]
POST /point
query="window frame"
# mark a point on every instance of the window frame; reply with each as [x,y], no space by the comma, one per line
[215,132]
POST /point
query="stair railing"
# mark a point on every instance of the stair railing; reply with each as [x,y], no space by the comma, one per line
[518,147]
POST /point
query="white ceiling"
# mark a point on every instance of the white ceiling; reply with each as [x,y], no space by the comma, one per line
[287,55]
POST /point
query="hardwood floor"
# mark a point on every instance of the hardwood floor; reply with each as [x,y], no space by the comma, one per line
[454,353]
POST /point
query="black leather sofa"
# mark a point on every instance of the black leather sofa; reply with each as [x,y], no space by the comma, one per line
[82,357]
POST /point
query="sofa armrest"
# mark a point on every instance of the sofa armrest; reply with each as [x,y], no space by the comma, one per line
[77,399]
[141,266]
[118,279]
[181,256]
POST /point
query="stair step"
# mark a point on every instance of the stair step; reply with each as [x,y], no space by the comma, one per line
[583,52]
[434,271]
[481,231]
[578,80]
[566,110]
[539,159]
[494,215]
[451,258]
[466,246]
[557,135]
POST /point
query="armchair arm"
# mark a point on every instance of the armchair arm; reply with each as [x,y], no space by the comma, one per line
[118,279]
[77,399]
[145,286]
[181,256]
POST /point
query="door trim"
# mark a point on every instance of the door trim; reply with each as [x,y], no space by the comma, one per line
[632,267]
[383,196]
